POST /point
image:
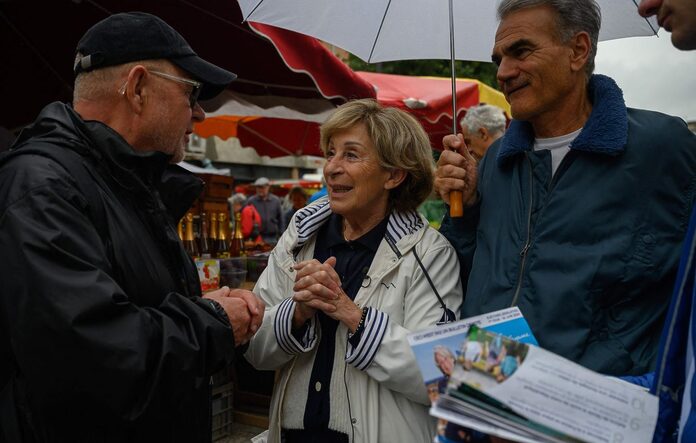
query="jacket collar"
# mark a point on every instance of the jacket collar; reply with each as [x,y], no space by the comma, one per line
[59,124]
[605,131]
[401,225]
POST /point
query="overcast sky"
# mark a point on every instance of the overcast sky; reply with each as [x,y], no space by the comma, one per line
[652,73]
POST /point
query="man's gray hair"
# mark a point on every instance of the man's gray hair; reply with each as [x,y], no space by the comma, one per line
[484,116]
[573,16]
[97,84]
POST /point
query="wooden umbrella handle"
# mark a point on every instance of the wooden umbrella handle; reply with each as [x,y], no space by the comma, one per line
[456,206]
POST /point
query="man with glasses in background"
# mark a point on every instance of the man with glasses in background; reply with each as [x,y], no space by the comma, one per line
[104,335]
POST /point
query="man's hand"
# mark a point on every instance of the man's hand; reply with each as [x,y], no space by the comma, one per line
[244,310]
[255,306]
[457,170]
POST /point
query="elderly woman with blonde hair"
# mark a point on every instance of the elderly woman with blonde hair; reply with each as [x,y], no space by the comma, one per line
[352,275]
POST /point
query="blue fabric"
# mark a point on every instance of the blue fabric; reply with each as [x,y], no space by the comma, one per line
[645,380]
[323,192]
[669,378]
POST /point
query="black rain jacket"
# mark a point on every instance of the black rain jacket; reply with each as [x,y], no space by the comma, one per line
[103,334]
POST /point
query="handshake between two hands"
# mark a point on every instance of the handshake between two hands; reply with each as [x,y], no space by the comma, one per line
[317,288]
[244,309]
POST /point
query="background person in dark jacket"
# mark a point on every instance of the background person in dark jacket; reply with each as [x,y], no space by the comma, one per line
[298,200]
[269,206]
[673,380]
[103,333]
[576,215]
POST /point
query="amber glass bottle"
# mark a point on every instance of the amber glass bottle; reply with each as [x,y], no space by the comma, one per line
[213,233]
[180,228]
[189,242]
[205,239]
[237,247]
[223,244]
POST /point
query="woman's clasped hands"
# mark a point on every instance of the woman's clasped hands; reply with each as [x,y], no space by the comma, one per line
[318,288]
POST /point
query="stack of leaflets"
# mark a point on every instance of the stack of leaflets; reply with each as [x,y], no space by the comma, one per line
[499,382]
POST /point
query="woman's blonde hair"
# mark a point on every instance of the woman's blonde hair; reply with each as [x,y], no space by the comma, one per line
[400,142]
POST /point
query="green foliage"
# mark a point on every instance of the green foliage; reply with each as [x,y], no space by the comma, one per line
[484,72]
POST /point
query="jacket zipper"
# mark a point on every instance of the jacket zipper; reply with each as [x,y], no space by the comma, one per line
[523,253]
[528,242]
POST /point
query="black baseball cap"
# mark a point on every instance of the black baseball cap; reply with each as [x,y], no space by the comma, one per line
[131,36]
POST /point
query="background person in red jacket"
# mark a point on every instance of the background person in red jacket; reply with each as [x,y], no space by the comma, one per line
[250,217]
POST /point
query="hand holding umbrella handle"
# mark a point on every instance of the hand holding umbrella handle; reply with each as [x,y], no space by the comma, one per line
[456,164]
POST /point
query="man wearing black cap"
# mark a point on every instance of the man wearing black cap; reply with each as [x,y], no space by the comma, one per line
[103,333]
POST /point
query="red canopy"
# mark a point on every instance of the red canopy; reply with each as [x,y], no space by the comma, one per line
[430,99]
[274,137]
[276,67]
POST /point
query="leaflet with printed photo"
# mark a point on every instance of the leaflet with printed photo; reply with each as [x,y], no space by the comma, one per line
[432,345]
[438,348]
[526,390]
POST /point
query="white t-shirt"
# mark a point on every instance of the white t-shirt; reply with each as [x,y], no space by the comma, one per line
[559,147]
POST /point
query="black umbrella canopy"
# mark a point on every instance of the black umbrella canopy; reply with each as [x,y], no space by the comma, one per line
[38,40]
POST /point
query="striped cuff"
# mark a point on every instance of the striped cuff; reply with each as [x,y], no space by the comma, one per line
[361,356]
[283,330]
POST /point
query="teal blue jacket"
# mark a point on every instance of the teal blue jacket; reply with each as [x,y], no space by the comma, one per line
[589,254]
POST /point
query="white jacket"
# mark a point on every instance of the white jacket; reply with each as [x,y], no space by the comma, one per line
[377,392]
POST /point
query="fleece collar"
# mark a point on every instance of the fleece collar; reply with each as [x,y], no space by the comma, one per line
[605,131]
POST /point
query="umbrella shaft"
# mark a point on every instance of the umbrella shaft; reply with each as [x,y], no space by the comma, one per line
[453,69]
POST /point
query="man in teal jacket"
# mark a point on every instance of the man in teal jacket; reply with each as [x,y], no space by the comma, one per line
[577,214]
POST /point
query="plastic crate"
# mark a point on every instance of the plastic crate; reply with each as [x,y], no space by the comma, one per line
[222,411]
